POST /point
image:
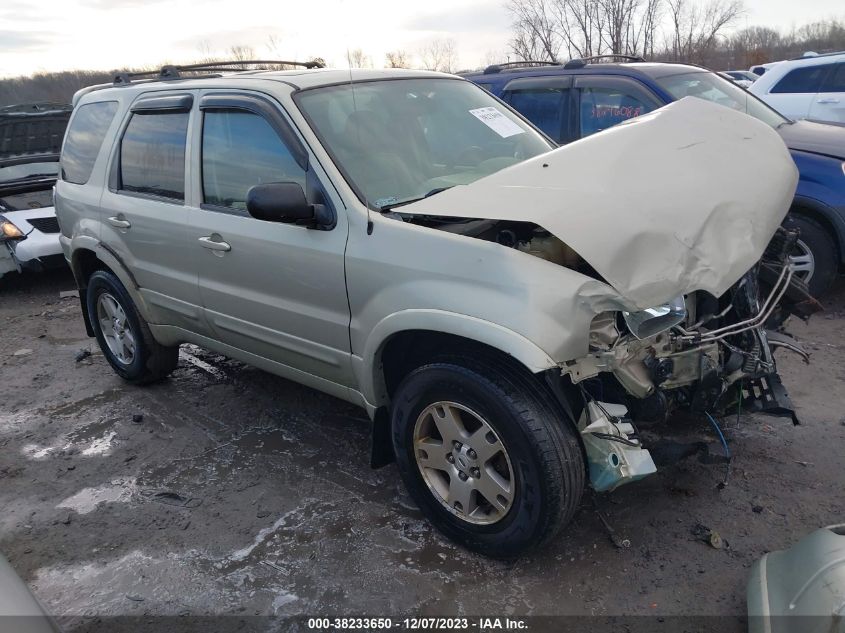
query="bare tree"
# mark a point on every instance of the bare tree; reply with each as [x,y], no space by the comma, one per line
[439,54]
[583,28]
[535,33]
[696,29]
[242,53]
[397,59]
[357,59]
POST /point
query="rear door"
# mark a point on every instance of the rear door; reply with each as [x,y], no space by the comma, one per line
[546,102]
[605,101]
[794,93]
[145,218]
[275,290]
[829,103]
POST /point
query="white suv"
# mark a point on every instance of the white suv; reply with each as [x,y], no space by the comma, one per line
[807,88]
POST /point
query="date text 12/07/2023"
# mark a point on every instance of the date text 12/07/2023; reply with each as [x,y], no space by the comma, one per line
[481,624]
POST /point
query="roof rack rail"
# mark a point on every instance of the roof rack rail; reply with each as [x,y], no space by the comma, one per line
[580,63]
[528,63]
[813,55]
[175,72]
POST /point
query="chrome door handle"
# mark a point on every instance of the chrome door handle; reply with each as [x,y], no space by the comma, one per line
[828,100]
[118,223]
[207,242]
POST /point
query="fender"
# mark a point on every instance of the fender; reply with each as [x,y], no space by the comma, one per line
[367,367]
[113,262]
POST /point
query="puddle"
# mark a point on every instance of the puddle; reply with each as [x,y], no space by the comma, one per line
[33,451]
[282,599]
[194,360]
[101,445]
[241,554]
[87,499]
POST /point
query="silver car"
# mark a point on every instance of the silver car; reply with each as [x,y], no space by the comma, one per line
[505,311]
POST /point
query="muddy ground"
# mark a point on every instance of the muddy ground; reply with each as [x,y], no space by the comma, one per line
[281,514]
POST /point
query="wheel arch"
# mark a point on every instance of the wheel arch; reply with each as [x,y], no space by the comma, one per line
[433,331]
[89,256]
[826,217]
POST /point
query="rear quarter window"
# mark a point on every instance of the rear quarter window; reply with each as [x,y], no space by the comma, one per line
[85,137]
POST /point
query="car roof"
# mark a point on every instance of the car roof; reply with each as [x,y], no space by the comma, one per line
[299,79]
[779,69]
[652,70]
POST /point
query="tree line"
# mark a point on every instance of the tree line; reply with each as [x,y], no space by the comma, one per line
[702,32]
[692,31]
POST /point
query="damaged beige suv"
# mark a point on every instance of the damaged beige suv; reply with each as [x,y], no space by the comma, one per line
[505,311]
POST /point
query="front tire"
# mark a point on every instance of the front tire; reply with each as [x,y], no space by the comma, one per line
[123,334]
[487,455]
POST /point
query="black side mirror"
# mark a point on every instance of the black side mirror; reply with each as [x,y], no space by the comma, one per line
[285,202]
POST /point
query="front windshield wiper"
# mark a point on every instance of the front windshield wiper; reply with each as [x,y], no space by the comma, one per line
[390,207]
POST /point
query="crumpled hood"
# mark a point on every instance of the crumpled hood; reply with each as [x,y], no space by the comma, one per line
[684,198]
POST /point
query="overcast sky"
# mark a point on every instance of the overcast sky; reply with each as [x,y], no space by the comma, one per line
[105,34]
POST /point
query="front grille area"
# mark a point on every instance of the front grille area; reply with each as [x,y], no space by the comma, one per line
[45,225]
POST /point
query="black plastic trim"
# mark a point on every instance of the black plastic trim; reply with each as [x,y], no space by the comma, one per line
[165,105]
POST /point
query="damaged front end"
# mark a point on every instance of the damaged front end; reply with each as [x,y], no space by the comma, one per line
[698,352]
[688,237]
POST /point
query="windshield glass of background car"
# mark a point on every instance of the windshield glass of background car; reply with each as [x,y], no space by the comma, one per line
[713,88]
[400,140]
[29,170]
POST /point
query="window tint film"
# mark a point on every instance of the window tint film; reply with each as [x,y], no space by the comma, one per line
[835,80]
[544,107]
[602,108]
[84,139]
[152,155]
[239,150]
[807,79]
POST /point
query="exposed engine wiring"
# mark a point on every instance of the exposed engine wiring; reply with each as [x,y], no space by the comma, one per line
[725,445]
[764,313]
[754,357]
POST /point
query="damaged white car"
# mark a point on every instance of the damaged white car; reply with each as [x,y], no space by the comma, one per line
[504,310]
[30,139]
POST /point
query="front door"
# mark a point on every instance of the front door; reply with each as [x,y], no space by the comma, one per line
[272,289]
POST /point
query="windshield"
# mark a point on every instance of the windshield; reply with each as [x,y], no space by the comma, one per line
[713,88]
[29,170]
[402,140]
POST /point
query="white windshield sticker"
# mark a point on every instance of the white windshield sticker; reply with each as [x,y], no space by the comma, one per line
[496,121]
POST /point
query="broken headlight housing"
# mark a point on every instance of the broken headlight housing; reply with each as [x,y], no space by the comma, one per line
[8,231]
[652,321]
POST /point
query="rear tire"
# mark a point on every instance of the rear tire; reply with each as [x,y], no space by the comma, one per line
[537,463]
[816,254]
[123,334]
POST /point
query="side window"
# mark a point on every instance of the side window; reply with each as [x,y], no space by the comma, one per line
[152,154]
[604,107]
[544,107]
[801,80]
[84,139]
[241,149]
[835,80]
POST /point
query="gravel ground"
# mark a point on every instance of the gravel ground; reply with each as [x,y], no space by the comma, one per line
[226,490]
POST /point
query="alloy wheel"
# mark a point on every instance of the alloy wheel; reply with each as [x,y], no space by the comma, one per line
[116,329]
[464,463]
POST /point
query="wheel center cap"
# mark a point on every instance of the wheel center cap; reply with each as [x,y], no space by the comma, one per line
[462,462]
